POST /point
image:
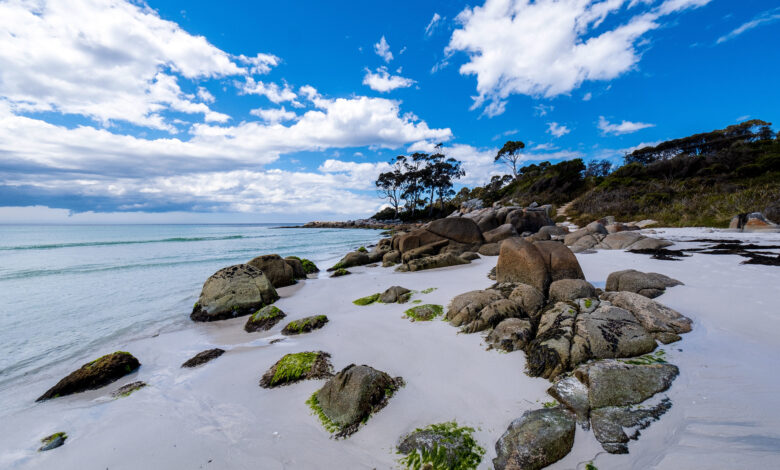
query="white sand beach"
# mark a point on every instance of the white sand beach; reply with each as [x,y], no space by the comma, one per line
[725,413]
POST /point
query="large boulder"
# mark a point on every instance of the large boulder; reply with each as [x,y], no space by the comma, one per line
[620,240]
[529,220]
[415,239]
[424,250]
[520,261]
[278,271]
[487,222]
[438,261]
[536,264]
[535,440]
[95,374]
[512,334]
[299,272]
[654,317]
[650,285]
[553,231]
[233,291]
[490,249]
[353,394]
[460,229]
[465,308]
[529,298]
[354,258]
[616,383]
[565,290]
[500,233]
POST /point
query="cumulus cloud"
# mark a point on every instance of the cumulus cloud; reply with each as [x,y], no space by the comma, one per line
[764,18]
[557,130]
[274,115]
[108,60]
[382,81]
[625,127]
[550,47]
[274,92]
[259,64]
[382,49]
[433,24]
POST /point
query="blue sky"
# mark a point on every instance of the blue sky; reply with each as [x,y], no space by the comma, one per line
[116,111]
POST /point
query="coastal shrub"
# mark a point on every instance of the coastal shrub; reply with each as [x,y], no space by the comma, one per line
[425,312]
[292,366]
[453,448]
[370,299]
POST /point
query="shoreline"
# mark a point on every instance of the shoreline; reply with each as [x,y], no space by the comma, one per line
[218,412]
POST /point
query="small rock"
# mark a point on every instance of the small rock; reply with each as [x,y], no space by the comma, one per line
[264,319]
[305,325]
[126,390]
[394,294]
[609,423]
[571,289]
[512,334]
[296,367]
[203,357]
[535,440]
[52,442]
[93,375]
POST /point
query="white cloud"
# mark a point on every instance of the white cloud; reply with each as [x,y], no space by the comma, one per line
[205,96]
[274,115]
[382,81]
[108,60]
[382,49]
[275,93]
[543,109]
[587,96]
[546,146]
[259,64]
[764,18]
[625,127]
[557,130]
[433,24]
[548,47]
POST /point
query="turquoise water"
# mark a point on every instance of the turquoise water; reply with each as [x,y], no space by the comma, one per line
[67,290]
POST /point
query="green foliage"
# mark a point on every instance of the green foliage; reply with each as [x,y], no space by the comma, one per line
[466,456]
[658,357]
[417,301]
[370,299]
[588,303]
[292,366]
[425,312]
[314,404]
[102,358]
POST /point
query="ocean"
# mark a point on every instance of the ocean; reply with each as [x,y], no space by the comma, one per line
[71,290]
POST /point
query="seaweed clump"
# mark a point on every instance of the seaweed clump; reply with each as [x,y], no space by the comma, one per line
[441,447]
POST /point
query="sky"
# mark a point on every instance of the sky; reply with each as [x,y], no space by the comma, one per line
[115,111]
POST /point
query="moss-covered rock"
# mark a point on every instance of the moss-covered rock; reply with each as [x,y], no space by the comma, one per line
[425,312]
[305,325]
[52,442]
[340,272]
[395,294]
[264,319]
[95,374]
[296,367]
[367,300]
[441,446]
[127,390]
[350,397]
[203,357]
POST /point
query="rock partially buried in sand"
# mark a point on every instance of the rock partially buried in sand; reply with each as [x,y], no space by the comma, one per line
[535,440]
[654,317]
[512,334]
[305,325]
[203,357]
[340,272]
[264,319]
[350,397]
[536,264]
[232,292]
[95,374]
[465,308]
[395,294]
[296,367]
[609,423]
[425,312]
[127,390]
[442,260]
[616,383]
[52,442]
[650,285]
[444,445]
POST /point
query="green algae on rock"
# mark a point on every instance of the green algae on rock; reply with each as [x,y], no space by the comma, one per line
[367,300]
[52,442]
[94,374]
[425,312]
[264,319]
[441,446]
[305,325]
[296,367]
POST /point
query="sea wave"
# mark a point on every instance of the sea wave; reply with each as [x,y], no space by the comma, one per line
[121,242]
